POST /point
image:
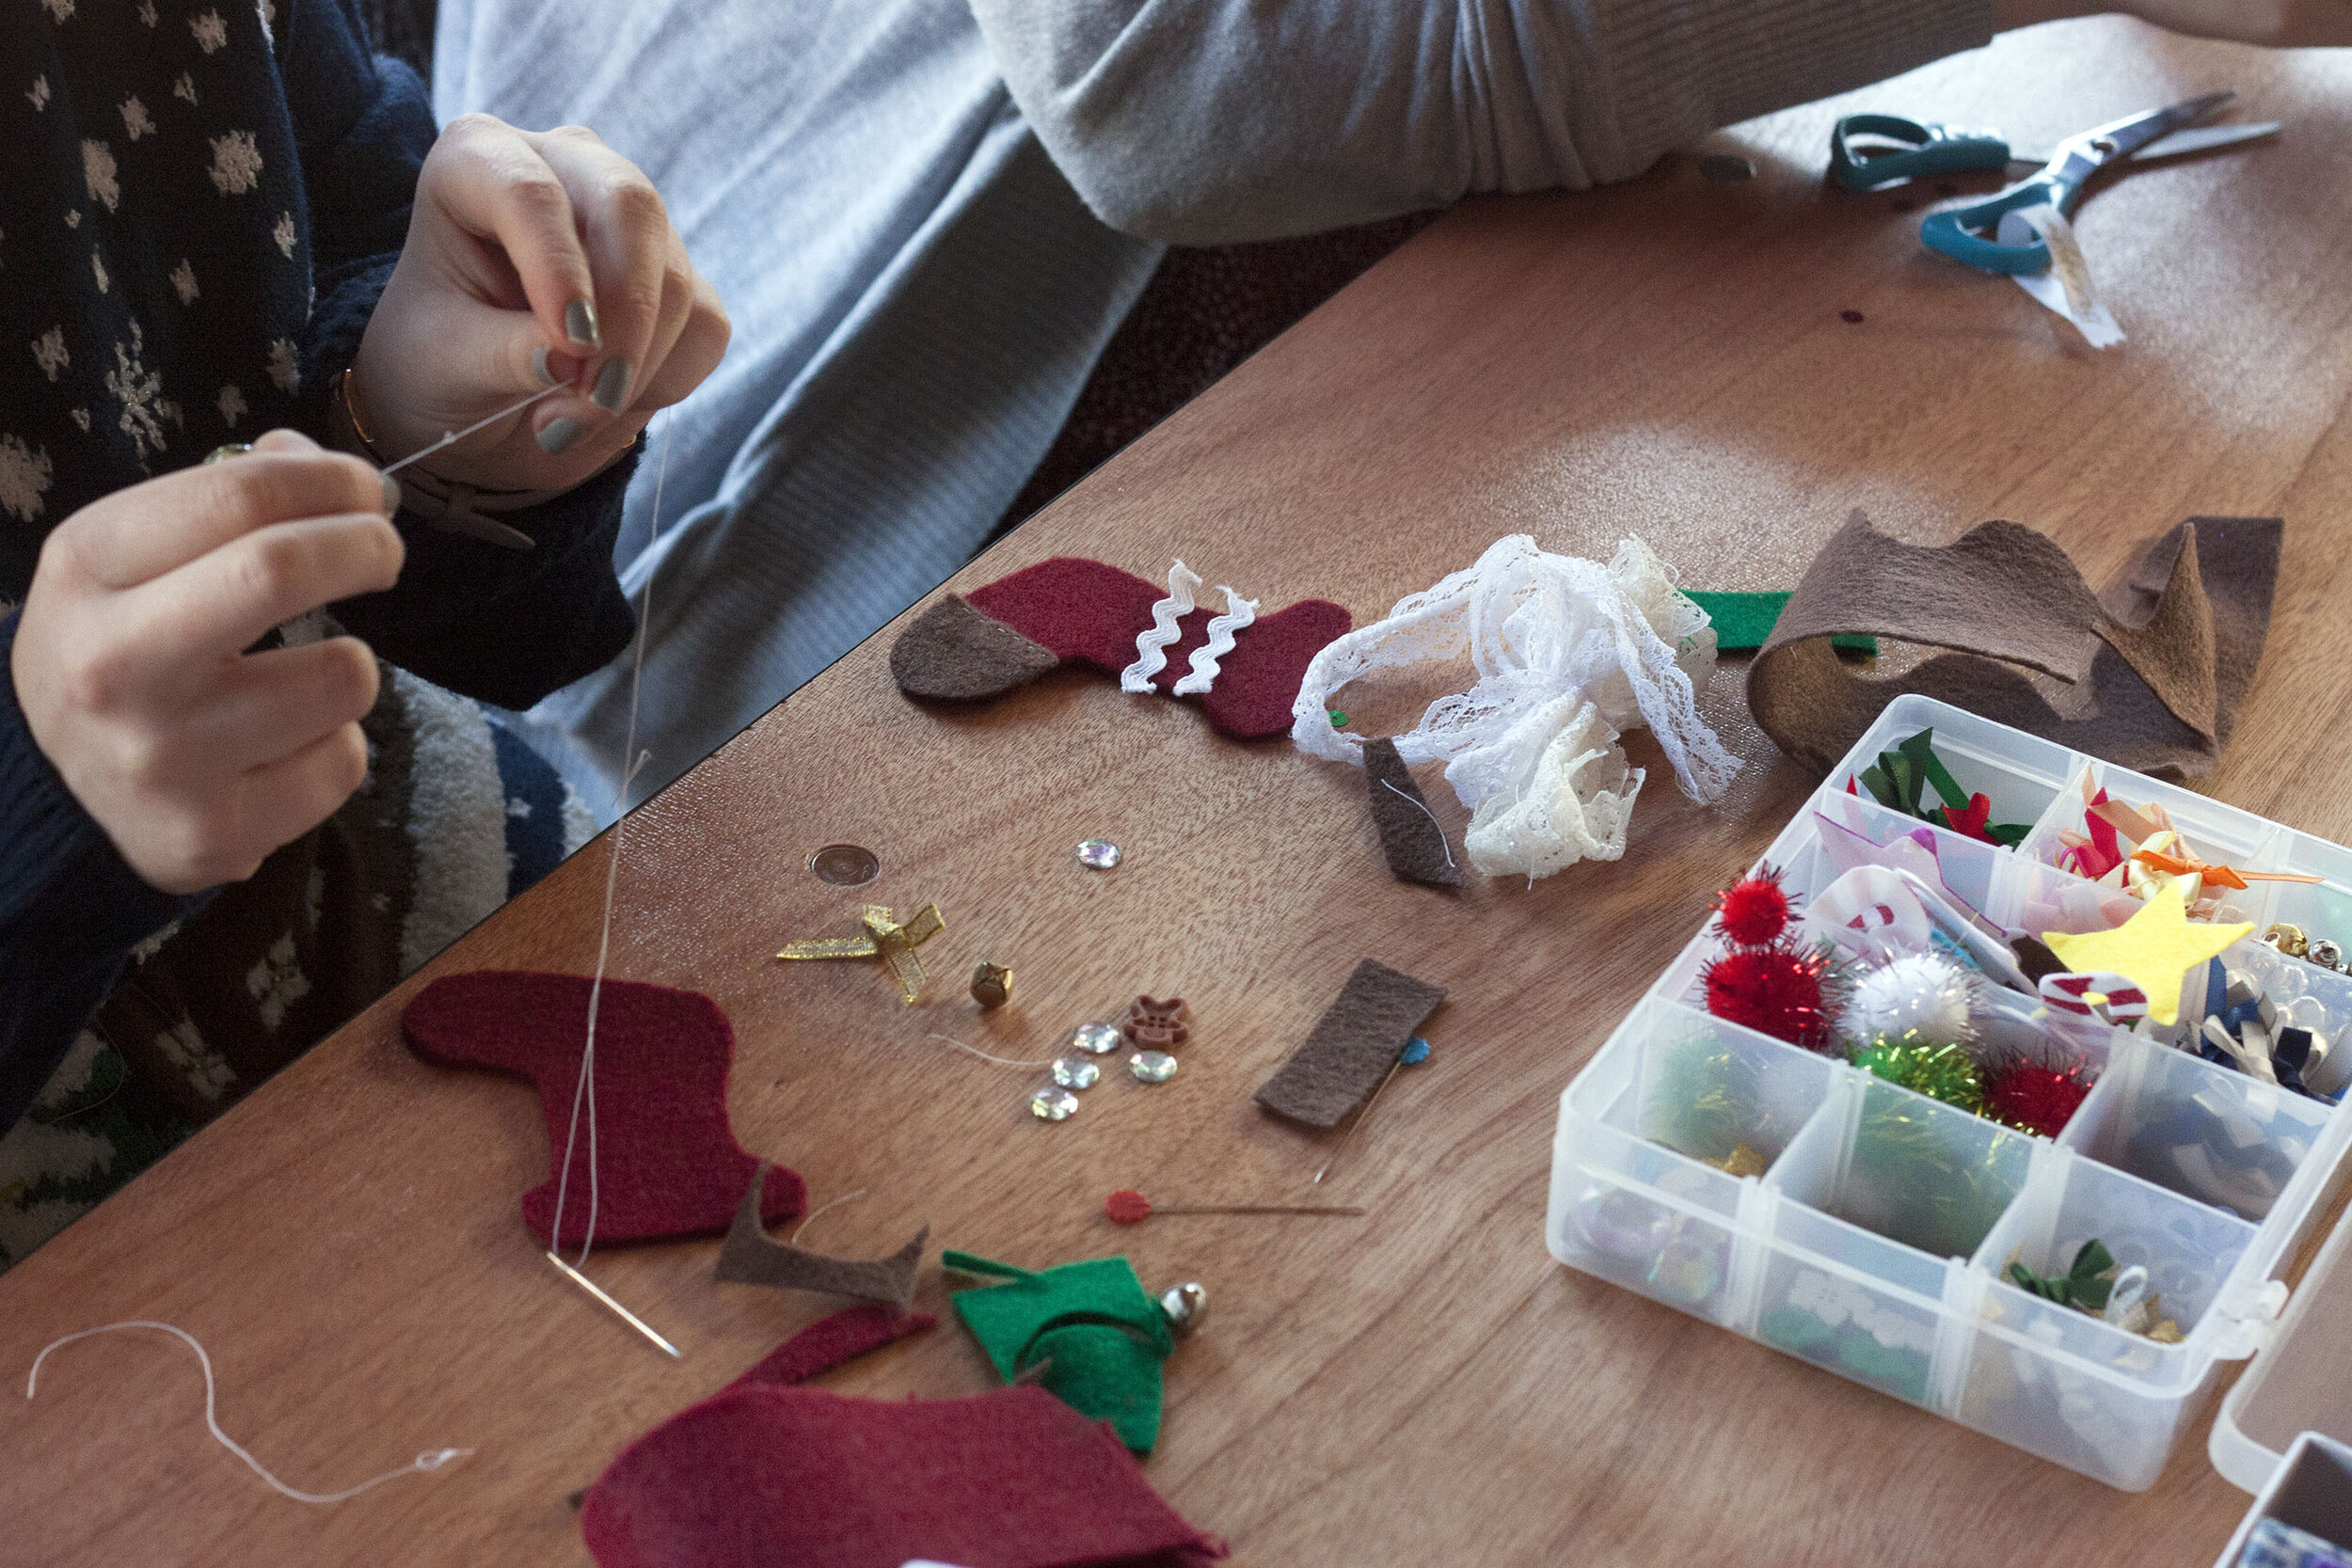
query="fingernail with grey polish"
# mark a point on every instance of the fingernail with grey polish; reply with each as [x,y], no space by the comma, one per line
[539,366]
[560,436]
[612,385]
[391,494]
[579,323]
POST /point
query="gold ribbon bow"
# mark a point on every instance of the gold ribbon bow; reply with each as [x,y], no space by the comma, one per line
[886,939]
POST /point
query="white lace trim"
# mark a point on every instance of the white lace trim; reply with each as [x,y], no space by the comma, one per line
[1549,636]
[1151,645]
[1239,612]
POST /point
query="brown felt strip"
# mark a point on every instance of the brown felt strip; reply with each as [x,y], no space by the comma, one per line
[1410,834]
[953,652]
[749,1257]
[1357,1038]
[1980,596]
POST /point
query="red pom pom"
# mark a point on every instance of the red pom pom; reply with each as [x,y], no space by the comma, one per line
[2036,1099]
[1775,990]
[1753,913]
[1127,1206]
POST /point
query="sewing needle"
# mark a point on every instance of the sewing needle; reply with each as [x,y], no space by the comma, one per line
[626,1316]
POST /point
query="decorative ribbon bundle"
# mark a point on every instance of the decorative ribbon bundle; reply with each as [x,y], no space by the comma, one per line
[1568,653]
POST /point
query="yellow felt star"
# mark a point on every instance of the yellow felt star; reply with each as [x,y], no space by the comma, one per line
[2154,949]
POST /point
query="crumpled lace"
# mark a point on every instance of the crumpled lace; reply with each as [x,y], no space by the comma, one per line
[1568,653]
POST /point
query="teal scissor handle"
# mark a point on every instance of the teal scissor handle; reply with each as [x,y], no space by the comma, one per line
[1960,233]
[1918,148]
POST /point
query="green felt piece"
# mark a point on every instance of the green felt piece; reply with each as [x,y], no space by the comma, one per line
[1920,749]
[1102,1335]
[1743,620]
[2010,833]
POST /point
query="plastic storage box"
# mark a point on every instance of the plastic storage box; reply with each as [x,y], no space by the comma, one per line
[1874,1242]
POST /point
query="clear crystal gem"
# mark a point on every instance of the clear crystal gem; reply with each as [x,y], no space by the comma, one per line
[1075,1073]
[1152,1067]
[1100,853]
[1095,1040]
[1053,1104]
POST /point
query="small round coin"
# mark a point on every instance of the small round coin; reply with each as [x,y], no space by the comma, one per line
[844,865]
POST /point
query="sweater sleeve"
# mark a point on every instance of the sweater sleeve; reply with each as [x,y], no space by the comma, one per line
[504,627]
[71,908]
[1193,122]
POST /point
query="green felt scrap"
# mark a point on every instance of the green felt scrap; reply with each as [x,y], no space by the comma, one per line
[1743,620]
[1102,1335]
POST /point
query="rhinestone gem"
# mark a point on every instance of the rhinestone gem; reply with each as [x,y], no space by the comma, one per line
[1152,1067]
[1095,1040]
[1100,853]
[843,864]
[1075,1073]
[1053,1104]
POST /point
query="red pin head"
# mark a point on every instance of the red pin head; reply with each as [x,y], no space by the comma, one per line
[1127,1206]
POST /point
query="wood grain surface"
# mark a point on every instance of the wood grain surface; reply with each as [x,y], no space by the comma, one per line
[1422,1384]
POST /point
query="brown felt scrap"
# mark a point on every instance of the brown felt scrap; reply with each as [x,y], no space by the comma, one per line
[2149,673]
[1410,834]
[953,652]
[749,1257]
[1357,1038]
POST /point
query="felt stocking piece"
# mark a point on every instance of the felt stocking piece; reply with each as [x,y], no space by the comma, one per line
[1357,1038]
[667,1161]
[1409,833]
[1087,1332]
[2149,673]
[749,1258]
[830,1342]
[755,1477]
[1073,611]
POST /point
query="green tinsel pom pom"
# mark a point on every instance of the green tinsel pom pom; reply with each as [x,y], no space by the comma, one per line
[1944,1072]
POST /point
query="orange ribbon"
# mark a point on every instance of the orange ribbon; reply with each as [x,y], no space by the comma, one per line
[2218,875]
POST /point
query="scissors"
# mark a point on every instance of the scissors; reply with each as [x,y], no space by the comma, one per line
[1961,232]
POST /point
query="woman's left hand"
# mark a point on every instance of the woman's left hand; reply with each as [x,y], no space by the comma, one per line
[532,257]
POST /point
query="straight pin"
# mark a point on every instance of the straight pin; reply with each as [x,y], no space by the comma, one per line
[1416,1051]
[626,1316]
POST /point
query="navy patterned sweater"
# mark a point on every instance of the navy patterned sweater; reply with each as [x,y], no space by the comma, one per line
[202,202]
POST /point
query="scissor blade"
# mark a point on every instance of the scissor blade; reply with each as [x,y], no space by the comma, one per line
[2121,138]
[2181,143]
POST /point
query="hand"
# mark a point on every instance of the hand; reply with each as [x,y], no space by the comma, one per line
[197,758]
[2282,23]
[532,257]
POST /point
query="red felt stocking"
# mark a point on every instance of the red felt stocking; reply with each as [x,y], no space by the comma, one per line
[667,1163]
[759,1475]
[1073,611]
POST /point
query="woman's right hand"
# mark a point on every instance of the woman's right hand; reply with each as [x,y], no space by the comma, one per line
[196,757]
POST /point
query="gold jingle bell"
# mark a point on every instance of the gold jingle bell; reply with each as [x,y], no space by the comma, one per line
[991,984]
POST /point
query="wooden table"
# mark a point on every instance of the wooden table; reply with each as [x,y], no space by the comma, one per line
[1423,1386]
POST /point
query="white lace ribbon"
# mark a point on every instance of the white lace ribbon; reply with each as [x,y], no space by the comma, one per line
[1239,612]
[1550,637]
[1151,645]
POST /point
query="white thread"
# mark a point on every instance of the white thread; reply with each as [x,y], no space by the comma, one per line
[1151,645]
[810,1218]
[1422,807]
[1000,1061]
[430,1459]
[585,1085]
[1239,612]
[451,437]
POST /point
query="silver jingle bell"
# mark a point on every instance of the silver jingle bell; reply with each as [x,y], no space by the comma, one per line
[1185,1306]
[2326,954]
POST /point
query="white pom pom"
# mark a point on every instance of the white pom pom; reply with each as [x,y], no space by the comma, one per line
[1917,997]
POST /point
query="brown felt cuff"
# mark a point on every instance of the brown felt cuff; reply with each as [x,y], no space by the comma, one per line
[750,1257]
[1357,1040]
[2149,673]
[1410,834]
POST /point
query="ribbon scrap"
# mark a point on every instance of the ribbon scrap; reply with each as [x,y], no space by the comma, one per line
[885,939]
